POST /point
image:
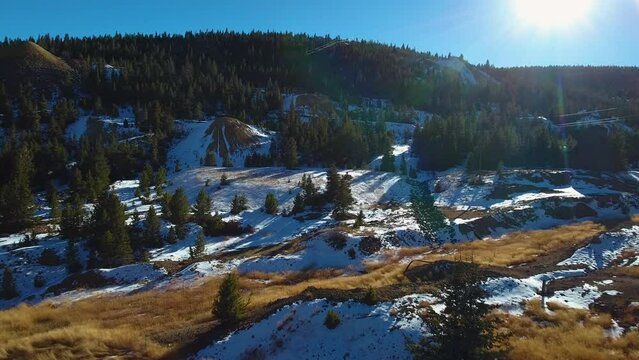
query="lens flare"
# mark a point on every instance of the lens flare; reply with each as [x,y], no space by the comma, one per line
[552,14]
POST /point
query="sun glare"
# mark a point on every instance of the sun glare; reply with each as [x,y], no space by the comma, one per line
[550,15]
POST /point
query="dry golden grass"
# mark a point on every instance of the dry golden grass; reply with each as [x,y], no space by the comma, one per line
[135,324]
[511,249]
[524,246]
[567,334]
[629,270]
[138,326]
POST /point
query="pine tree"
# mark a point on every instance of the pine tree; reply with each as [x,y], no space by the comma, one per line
[202,207]
[152,235]
[309,190]
[145,180]
[359,221]
[16,199]
[332,183]
[72,218]
[271,204]
[290,154]
[388,162]
[160,180]
[209,159]
[239,204]
[171,237]
[9,290]
[111,237]
[198,250]
[101,173]
[54,203]
[343,199]
[71,256]
[462,330]
[298,204]
[230,305]
[179,207]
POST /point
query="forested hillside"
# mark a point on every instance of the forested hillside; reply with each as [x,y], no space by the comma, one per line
[484,117]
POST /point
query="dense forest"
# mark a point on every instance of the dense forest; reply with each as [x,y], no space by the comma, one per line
[505,117]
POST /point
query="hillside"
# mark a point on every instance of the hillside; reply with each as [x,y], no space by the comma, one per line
[29,62]
[295,176]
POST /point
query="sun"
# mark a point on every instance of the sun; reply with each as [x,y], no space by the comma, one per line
[551,15]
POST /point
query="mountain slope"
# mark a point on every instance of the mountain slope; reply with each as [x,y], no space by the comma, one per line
[29,62]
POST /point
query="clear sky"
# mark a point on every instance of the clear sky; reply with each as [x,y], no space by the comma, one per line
[506,32]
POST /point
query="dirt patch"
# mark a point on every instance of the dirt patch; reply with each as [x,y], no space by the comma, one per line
[229,135]
[336,240]
[370,245]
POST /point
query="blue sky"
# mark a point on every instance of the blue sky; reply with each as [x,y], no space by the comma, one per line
[479,29]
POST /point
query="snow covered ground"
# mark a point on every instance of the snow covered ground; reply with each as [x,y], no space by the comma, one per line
[298,329]
[608,249]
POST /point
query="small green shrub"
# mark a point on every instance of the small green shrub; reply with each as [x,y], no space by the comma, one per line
[370,298]
[332,319]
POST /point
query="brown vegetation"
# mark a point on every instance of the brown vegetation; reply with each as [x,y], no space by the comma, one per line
[567,334]
[150,324]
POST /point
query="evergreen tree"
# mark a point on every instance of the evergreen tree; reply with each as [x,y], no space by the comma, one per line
[145,180]
[160,180]
[111,238]
[9,290]
[202,207]
[388,162]
[198,250]
[298,204]
[359,221]
[271,204]
[332,183]
[54,202]
[230,305]
[239,204]
[16,199]
[71,256]
[309,191]
[462,330]
[343,199]
[171,237]
[152,235]
[290,156]
[100,172]
[72,218]
[179,207]
[209,159]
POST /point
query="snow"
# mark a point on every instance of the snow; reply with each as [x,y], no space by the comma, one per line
[77,128]
[25,266]
[460,67]
[317,254]
[568,192]
[189,150]
[511,294]
[606,250]
[298,329]
[578,297]
[369,188]
[134,273]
